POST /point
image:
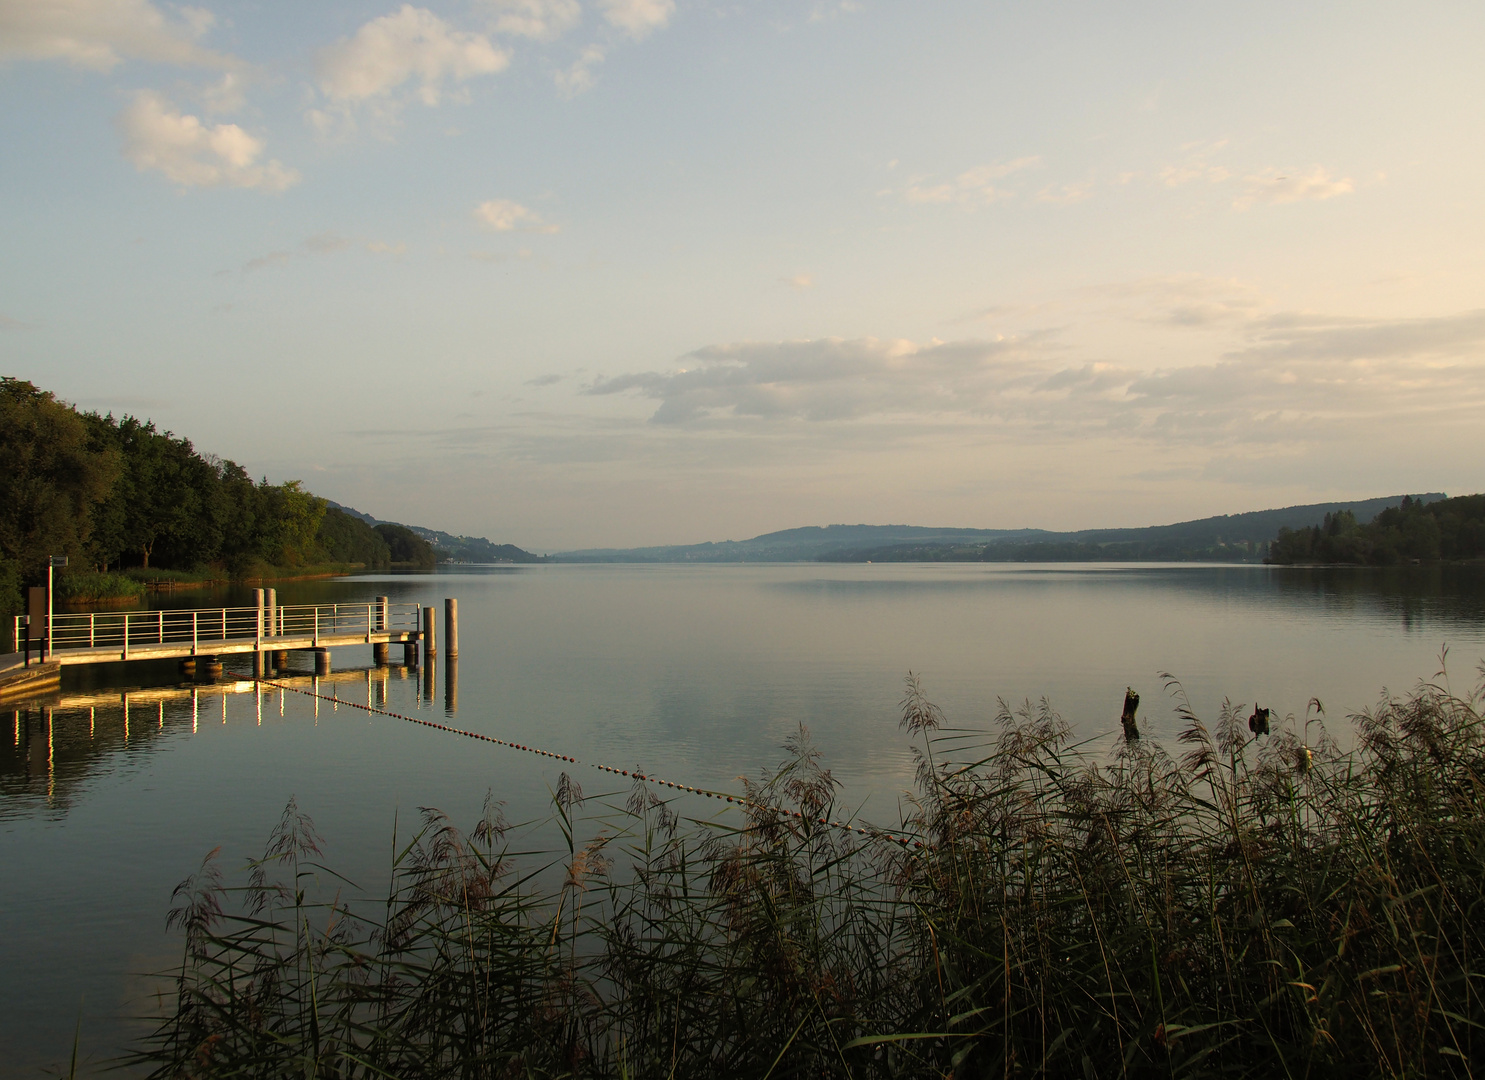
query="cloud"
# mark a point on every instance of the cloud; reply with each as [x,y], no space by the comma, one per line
[544,20]
[800,281]
[1066,194]
[505,215]
[100,34]
[263,262]
[326,242]
[1297,379]
[1197,165]
[1275,188]
[637,18]
[579,77]
[973,187]
[544,380]
[412,43]
[7,323]
[158,136]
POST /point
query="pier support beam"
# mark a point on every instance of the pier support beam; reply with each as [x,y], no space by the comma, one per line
[188,666]
[280,659]
[379,652]
[410,654]
[209,667]
[322,661]
[451,627]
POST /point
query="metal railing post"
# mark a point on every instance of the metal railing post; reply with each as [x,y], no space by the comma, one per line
[162,629]
[126,635]
[92,631]
[317,625]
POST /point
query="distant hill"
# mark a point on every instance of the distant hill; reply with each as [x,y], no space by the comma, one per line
[455,549]
[1227,538]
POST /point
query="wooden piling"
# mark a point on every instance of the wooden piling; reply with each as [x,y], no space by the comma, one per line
[430,634]
[322,662]
[450,627]
[410,654]
[382,605]
[379,650]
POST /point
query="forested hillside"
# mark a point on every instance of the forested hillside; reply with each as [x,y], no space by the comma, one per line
[113,494]
[1448,530]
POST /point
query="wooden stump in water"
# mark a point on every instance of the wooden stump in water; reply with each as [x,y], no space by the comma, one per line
[1131,705]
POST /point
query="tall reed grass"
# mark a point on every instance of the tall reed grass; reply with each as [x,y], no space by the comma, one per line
[1231,906]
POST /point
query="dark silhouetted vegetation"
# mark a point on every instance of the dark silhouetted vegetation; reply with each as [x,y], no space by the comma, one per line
[345,538]
[1234,907]
[121,495]
[409,550]
[1451,530]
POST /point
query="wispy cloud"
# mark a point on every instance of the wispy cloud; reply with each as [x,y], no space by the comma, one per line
[973,187]
[1296,377]
[411,45]
[637,18]
[158,136]
[506,215]
[543,20]
[1276,187]
[101,34]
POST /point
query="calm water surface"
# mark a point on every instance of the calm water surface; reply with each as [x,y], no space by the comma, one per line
[696,674]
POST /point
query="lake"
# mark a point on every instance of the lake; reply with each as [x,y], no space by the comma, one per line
[697,674]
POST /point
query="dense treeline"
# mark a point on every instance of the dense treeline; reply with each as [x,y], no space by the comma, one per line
[120,494]
[1449,530]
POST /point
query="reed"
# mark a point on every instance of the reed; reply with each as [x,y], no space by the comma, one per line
[1232,906]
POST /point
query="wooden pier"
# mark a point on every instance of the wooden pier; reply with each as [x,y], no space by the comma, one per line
[268,631]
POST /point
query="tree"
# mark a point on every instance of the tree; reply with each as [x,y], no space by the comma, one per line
[52,477]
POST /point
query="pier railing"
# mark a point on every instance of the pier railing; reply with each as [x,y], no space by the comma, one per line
[203,627]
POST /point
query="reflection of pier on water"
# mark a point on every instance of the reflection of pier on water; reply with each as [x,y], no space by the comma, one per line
[48,737]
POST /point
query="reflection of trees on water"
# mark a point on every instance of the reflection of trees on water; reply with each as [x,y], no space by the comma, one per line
[52,747]
[1416,597]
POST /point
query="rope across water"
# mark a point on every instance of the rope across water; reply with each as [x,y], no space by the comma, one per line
[632,774]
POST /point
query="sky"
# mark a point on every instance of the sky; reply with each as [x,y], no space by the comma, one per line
[579,273]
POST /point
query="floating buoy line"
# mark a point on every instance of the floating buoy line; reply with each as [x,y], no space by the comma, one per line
[633,774]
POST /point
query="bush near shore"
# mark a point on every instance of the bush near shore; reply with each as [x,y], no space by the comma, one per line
[1235,905]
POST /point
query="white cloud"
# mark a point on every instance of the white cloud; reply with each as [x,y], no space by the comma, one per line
[99,34]
[1299,379]
[972,187]
[505,215]
[158,136]
[801,281]
[1066,194]
[637,18]
[1276,188]
[544,20]
[579,76]
[412,43]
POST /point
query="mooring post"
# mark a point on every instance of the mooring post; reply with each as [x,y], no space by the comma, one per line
[379,651]
[382,603]
[272,612]
[258,659]
[410,654]
[450,627]
[430,634]
[322,662]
